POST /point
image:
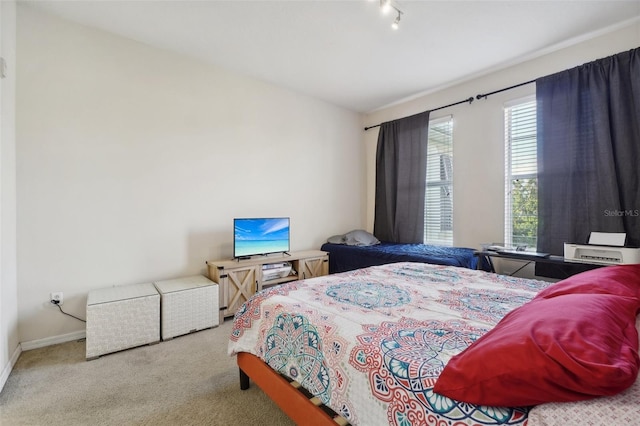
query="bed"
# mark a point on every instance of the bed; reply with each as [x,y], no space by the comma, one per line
[343,257]
[422,344]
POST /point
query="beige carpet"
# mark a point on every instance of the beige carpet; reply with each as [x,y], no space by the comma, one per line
[189,380]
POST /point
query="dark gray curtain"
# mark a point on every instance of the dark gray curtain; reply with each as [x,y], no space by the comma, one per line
[401,172]
[589,152]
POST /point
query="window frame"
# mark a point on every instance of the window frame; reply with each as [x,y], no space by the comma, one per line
[509,175]
[445,236]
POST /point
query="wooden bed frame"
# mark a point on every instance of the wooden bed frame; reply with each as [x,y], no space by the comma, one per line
[302,407]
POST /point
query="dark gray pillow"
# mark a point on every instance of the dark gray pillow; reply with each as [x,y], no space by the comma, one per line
[360,238]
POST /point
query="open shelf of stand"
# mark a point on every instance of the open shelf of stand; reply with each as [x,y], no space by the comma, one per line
[281,280]
[238,280]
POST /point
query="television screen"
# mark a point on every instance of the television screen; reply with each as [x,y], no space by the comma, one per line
[253,236]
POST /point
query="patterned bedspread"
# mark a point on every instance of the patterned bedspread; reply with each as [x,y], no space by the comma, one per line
[371,343]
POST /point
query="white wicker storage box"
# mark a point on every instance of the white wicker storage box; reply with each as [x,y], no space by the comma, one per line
[122,317]
[187,304]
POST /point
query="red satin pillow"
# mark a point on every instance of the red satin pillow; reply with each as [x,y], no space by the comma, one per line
[623,280]
[564,348]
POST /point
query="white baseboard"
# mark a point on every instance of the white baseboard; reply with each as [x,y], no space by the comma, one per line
[35,344]
[6,371]
[54,340]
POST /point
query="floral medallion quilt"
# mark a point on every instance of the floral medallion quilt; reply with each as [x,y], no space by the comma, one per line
[371,343]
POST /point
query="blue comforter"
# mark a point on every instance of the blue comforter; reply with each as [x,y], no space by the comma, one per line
[344,258]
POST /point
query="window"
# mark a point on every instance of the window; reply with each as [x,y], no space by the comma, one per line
[438,212]
[521,174]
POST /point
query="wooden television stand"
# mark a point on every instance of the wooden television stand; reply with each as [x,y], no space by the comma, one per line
[238,280]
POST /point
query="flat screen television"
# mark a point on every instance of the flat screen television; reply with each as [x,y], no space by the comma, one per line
[260,236]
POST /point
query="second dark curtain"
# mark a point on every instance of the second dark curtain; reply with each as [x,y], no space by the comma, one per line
[589,152]
[401,167]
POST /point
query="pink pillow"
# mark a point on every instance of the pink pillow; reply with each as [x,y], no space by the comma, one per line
[564,348]
[623,280]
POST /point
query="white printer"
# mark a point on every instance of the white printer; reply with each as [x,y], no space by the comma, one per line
[603,248]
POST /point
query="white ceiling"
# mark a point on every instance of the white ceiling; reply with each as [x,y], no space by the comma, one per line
[344,51]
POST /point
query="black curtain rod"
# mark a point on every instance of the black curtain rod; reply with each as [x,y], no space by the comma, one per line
[431,110]
[480,96]
[485,95]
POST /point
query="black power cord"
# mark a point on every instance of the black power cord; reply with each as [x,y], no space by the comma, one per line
[57,303]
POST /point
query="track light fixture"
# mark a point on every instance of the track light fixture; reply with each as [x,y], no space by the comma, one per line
[396,22]
[387,6]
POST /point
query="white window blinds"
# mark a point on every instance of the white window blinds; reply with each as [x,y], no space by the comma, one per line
[438,216]
[521,168]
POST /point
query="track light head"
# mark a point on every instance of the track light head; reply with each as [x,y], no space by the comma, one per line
[396,22]
[385,6]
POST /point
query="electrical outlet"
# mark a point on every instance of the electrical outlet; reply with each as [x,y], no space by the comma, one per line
[57,297]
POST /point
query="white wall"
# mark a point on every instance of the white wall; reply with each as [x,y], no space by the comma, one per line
[478,132]
[9,343]
[133,161]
